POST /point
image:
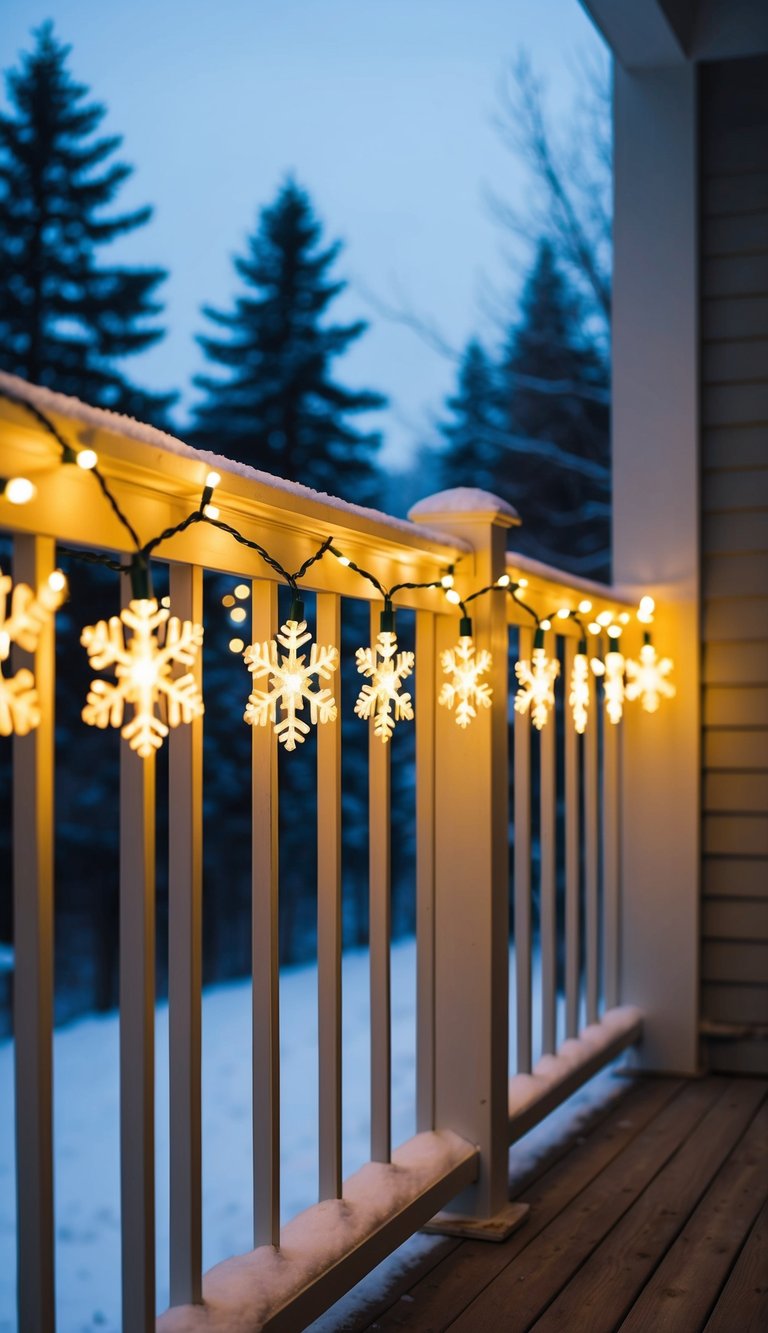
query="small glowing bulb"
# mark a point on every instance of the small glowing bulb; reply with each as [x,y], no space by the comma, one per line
[143,671]
[213,480]
[604,618]
[503,581]
[563,613]
[236,645]
[344,560]
[624,618]
[522,583]
[614,631]
[585,606]
[545,624]
[165,601]
[228,599]
[238,614]
[594,628]
[19,490]
[87,459]
[647,605]
[57,581]
[242,591]
[211,511]
[453,597]
[447,580]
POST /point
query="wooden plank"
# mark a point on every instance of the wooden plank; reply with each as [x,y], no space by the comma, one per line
[735,234]
[612,737]
[379,887]
[735,275]
[549,1261]
[743,1302]
[734,1004]
[733,194]
[438,1299]
[734,919]
[591,859]
[734,405]
[185,963]
[723,574]
[734,960]
[737,835]
[137,1035]
[688,1281]
[606,1286]
[33,889]
[735,316]
[739,147]
[736,488]
[736,706]
[736,748]
[547,889]
[572,863]
[522,817]
[744,877]
[734,361]
[739,793]
[736,533]
[738,1057]
[734,618]
[265,956]
[736,664]
[329,920]
[734,446]
[425,870]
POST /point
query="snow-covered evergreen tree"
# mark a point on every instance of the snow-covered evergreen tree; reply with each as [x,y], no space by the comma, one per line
[474,452]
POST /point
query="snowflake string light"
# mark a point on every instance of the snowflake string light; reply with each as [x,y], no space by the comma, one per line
[578,698]
[290,683]
[23,624]
[465,690]
[612,673]
[144,663]
[386,670]
[648,679]
[537,686]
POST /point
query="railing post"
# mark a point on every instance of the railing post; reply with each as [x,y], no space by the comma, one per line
[471,813]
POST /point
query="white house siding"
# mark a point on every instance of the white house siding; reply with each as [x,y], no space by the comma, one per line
[734,559]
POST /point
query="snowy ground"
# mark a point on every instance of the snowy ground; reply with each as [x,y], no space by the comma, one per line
[86,1128]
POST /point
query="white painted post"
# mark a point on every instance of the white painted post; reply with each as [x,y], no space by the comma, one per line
[548,885]
[472,866]
[522,877]
[656,543]
[329,920]
[379,887]
[33,972]
[572,862]
[426,667]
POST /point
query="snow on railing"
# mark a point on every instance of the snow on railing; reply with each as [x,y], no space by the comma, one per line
[467,1108]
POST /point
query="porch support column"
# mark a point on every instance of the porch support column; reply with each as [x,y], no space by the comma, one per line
[656,543]
[472,862]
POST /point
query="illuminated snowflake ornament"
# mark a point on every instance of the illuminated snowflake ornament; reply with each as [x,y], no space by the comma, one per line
[144,662]
[536,693]
[647,679]
[465,690]
[578,697]
[22,623]
[386,670]
[611,672]
[290,683]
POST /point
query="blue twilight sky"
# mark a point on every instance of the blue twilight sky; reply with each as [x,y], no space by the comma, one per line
[381,108]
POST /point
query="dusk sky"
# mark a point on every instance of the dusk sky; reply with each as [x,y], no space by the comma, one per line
[381,108]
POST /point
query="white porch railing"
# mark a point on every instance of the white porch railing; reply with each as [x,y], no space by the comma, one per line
[468,1106]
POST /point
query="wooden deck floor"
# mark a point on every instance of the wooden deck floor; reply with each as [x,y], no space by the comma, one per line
[654,1219]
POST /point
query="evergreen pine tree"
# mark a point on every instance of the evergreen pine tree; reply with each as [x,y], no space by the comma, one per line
[279,409]
[473,454]
[555,398]
[65,320]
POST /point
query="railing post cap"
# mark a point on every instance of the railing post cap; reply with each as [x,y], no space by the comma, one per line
[462,503]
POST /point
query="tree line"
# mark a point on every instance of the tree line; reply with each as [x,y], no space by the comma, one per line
[528,419]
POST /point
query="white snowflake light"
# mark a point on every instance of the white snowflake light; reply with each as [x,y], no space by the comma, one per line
[144,664]
[465,689]
[578,698]
[647,679]
[290,683]
[537,686]
[22,623]
[612,673]
[386,670]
